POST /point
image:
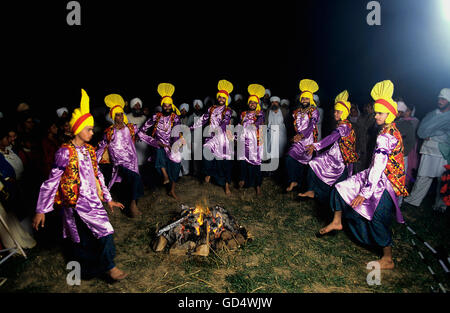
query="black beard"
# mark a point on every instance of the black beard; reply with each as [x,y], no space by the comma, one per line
[136,113]
[304,105]
[274,107]
[167,113]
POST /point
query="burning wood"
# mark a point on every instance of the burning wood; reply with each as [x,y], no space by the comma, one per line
[197,229]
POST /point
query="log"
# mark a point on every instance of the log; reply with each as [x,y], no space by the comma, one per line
[160,244]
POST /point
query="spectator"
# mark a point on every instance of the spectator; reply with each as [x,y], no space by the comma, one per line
[435,130]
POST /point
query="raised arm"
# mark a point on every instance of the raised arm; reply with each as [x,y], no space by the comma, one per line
[142,133]
[342,131]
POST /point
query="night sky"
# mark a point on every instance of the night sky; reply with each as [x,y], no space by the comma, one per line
[128,47]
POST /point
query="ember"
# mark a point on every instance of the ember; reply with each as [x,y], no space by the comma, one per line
[199,229]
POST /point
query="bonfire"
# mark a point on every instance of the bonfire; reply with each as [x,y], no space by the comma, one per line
[199,229]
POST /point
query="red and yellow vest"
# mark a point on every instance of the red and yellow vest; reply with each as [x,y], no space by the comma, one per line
[69,186]
[309,110]
[109,133]
[395,167]
[347,144]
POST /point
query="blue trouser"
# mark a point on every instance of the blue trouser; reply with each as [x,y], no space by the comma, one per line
[376,232]
[250,174]
[96,256]
[172,168]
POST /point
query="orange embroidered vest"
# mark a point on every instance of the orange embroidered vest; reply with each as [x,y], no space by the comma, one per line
[395,167]
[348,144]
[68,190]
[309,110]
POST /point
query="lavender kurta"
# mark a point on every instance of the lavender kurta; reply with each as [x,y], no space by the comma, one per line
[329,166]
[89,206]
[248,138]
[122,151]
[162,134]
[218,144]
[372,182]
[304,126]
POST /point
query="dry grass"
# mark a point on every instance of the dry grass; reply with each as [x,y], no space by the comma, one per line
[284,255]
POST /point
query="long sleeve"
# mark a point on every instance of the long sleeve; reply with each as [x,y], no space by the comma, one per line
[260,120]
[385,145]
[101,148]
[106,195]
[312,122]
[142,133]
[50,186]
[200,122]
[226,120]
[341,131]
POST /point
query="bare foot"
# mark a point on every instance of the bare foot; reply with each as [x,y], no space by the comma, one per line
[330,227]
[166,180]
[292,186]
[117,274]
[258,191]
[227,190]
[134,210]
[241,184]
[207,179]
[308,194]
[173,195]
[386,263]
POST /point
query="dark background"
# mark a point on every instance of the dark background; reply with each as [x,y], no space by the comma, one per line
[128,47]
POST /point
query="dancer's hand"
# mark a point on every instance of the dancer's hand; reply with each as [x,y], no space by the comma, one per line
[112,204]
[39,219]
[357,201]
[310,149]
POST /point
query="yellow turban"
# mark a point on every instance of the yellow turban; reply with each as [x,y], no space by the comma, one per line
[81,117]
[166,91]
[256,92]
[308,87]
[116,104]
[382,94]
[225,88]
[341,104]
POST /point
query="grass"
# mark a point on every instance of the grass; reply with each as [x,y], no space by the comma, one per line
[284,256]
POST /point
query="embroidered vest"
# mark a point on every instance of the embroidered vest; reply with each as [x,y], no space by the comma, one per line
[254,118]
[109,133]
[395,167]
[347,144]
[69,186]
[309,111]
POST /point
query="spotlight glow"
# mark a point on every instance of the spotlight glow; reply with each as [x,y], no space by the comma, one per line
[446,9]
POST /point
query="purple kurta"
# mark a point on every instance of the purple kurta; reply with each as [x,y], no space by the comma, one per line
[304,126]
[329,166]
[162,134]
[372,182]
[219,144]
[89,206]
[122,151]
[248,138]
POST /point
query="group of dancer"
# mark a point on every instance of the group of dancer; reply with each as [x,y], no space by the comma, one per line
[364,201]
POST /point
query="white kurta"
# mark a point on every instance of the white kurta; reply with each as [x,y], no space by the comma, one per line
[280,133]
